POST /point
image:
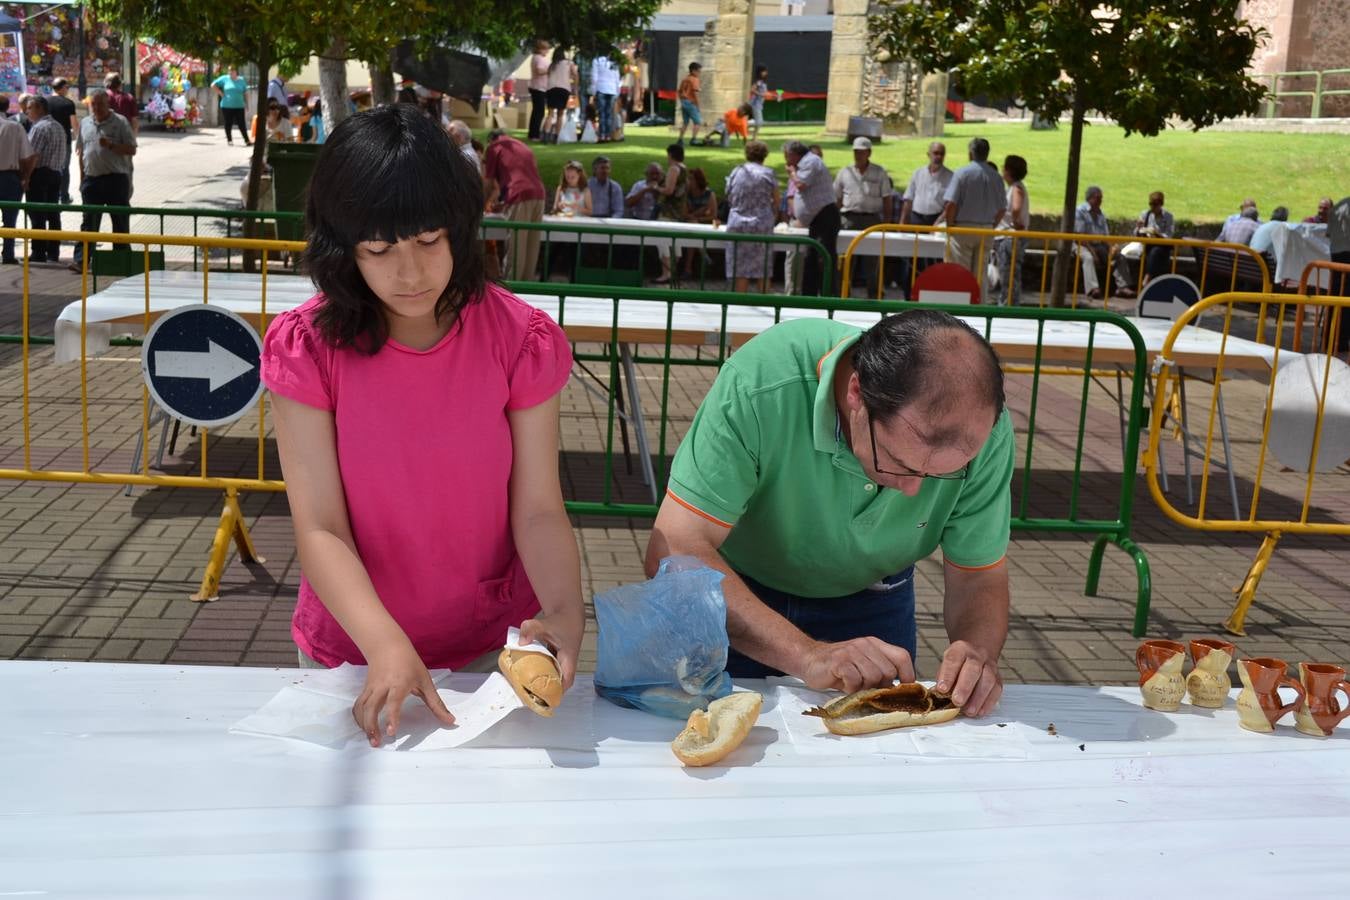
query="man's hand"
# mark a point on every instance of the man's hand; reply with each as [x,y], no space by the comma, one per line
[856,664]
[971,678]
[395,673]
[561,633]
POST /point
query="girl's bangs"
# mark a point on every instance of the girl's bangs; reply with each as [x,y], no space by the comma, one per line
[400,195]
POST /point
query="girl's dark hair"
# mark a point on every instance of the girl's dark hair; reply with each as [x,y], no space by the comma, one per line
[923,359]
[559,54]
[760,72]
[698,180]
[676,152]
[384,175]
[1016,166]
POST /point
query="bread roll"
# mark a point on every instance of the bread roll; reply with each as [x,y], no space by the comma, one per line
[711,735]
[535,678]
[880,709]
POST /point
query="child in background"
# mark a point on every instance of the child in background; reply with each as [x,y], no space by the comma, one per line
[758,91]
[416,412]
[573,196]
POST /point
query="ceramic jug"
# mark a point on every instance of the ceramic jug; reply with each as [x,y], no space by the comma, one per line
[1259,702]
[1160,680]
[1208,683]
[1320,712]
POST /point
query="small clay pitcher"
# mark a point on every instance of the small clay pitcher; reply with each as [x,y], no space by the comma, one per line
[1321,713]
[1160,678]
[1258,704]
[1208,683]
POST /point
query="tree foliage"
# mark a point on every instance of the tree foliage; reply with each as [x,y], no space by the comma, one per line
[1138,62]
[1141,63]
[271,32]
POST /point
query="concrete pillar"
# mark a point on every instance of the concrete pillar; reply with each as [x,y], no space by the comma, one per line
[932,118]
[726,68]
[848,49]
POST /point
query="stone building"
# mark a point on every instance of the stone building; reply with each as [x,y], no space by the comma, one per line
[1305,35]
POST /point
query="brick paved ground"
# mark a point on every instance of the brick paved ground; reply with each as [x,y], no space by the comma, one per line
[88,573]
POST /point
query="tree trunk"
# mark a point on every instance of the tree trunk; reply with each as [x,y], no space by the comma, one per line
[1066,259]
[333,83]
[382,83]
[257,162]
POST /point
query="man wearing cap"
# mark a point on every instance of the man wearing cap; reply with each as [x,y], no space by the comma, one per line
[863,192]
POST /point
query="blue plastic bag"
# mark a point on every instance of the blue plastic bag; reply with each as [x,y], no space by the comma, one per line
[663,643]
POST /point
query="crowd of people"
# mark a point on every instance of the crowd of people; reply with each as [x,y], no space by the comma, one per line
[38,144]
[566,107]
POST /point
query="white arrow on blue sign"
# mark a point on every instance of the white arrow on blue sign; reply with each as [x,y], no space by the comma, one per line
[202,365]
[1167,297]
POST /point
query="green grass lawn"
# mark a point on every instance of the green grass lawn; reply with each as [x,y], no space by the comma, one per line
[1205,175]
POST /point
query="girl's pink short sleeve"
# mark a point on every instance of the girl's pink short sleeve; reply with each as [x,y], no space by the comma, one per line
[295,361]
[543,365]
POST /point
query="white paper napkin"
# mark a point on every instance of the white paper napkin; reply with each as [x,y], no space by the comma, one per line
[317,710]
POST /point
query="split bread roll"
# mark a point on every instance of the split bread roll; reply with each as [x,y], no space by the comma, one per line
[711,735]
[880,709]
[534,677]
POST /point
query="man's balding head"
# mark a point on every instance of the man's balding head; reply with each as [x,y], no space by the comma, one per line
[459,133]
[934,370]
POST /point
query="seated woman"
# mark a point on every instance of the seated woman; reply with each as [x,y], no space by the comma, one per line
[1156,221]
[703,210]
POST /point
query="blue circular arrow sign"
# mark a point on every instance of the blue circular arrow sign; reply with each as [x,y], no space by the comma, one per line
[1167,296]
[202,365]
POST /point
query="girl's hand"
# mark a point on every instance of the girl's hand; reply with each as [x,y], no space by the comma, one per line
[560,632]
[394,674]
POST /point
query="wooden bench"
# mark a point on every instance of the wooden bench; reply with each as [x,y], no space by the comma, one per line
[1226,269]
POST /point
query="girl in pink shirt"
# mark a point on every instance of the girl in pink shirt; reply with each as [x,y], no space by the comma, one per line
[416,415]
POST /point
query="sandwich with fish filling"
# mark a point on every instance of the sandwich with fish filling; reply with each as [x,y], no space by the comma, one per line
[880,709]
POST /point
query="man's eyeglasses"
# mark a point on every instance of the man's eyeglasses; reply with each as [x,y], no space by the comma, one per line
[958,475]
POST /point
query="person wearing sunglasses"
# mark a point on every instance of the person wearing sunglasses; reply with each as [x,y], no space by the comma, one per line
[824,462]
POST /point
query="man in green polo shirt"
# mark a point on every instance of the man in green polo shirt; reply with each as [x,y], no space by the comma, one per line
[823,463]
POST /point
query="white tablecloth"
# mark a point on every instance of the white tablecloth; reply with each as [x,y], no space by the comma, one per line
[121,780]
[632,231]
[1297,246]
[123,302]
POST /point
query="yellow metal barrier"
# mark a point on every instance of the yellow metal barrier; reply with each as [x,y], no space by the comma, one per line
[1287,483]
[232,526]
[1204,255]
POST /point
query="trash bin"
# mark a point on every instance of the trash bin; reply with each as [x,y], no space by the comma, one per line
[292,164]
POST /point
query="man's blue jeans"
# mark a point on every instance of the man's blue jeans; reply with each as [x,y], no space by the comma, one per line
[604,104]
[887,614]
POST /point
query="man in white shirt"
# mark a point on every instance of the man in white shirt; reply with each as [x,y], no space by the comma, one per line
[863,193]
[16,165]
[922,202]
[605,84]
